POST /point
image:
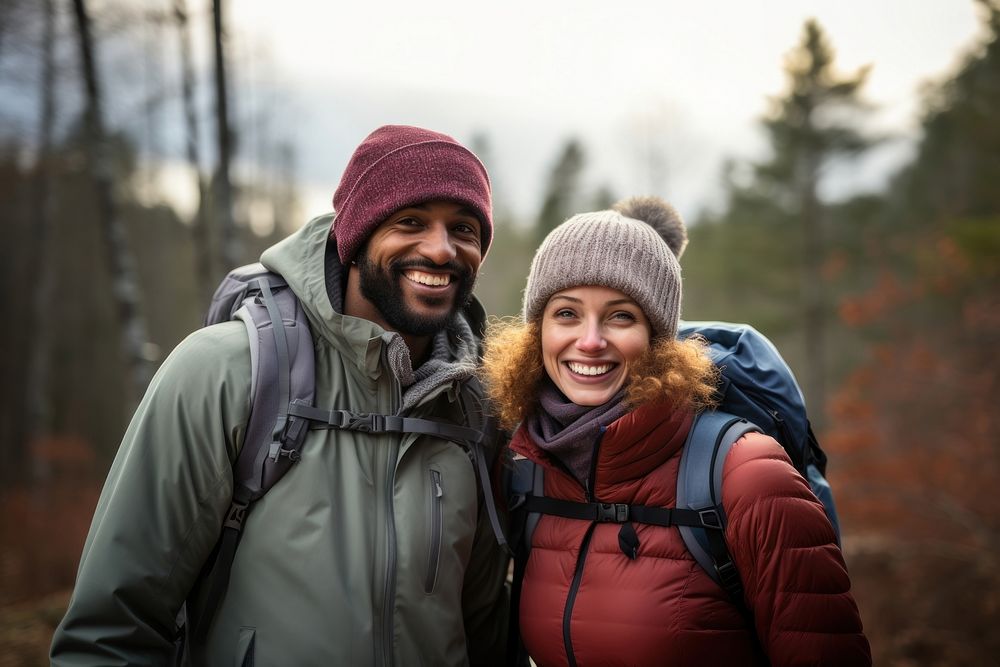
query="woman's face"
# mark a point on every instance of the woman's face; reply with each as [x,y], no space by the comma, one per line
[590,338]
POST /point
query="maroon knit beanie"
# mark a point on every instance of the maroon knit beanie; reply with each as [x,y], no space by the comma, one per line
[398,166]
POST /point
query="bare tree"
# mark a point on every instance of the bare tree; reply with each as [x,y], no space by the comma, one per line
[39,408]
[223,194]
[199,227]
[121,263]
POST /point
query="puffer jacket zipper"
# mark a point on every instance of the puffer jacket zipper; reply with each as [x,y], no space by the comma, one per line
[392,454]
[581,559]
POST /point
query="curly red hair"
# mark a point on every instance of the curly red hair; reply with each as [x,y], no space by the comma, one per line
[679,371]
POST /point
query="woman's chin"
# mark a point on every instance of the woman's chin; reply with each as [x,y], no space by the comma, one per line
[590,396]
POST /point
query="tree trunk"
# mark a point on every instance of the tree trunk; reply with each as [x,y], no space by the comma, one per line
[223,195]
[38,389]
[125,287]
[199,226]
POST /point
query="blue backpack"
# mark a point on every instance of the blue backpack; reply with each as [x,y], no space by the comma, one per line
[757,393]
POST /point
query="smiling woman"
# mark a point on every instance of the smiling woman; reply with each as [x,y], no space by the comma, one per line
[602,397]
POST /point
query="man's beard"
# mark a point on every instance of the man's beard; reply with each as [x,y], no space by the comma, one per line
[383,289]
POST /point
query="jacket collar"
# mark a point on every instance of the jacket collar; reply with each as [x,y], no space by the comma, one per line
[632,446]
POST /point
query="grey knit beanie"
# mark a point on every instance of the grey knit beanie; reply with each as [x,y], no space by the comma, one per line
[632,249]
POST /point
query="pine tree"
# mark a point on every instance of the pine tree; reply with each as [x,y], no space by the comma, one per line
[776,201]
[958,161]
[562,189]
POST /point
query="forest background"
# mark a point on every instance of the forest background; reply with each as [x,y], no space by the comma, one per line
[885,302]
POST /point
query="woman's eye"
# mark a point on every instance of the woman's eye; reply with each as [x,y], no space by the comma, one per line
[563,313]
[622,316]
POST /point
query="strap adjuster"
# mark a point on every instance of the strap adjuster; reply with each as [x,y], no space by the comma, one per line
[337,418]
[612,512]
[516,501]
[710,518]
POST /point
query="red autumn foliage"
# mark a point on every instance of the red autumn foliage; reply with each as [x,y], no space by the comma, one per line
[43,525]
[915,459]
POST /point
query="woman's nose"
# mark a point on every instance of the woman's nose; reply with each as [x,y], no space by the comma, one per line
[591,338]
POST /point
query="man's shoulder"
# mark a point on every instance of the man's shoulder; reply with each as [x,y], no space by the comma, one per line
[220,350]
[226,339]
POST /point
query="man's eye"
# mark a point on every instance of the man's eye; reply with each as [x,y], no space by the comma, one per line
[408,222]
[466,228]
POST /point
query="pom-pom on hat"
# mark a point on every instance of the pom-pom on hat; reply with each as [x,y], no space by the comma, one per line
[398,166]
[618,249]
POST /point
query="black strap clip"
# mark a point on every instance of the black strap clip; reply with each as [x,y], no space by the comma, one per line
[729,578]
[236,515]
[612,512]
[365,423]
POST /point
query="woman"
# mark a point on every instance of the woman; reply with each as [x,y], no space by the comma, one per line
[602,395]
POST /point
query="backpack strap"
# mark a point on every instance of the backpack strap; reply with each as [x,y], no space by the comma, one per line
[471,438]
[699,489]
[485,446]
[282,371]
[524,480]
[623,513]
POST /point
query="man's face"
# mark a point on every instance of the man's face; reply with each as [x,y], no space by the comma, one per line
[420,265]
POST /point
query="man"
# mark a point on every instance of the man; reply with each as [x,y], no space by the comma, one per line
[372,549]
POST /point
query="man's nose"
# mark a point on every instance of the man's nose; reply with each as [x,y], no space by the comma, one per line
[437,245]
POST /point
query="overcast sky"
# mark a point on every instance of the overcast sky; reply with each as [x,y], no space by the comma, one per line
[683,82]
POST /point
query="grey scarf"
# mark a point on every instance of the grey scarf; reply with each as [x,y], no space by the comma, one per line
[568,431]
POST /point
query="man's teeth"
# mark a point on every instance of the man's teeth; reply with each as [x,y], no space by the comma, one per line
[432,279]
[583,369]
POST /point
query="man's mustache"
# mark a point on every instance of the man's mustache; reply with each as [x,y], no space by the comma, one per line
[459,271]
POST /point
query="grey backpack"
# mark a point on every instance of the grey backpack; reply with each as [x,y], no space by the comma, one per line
[282,411]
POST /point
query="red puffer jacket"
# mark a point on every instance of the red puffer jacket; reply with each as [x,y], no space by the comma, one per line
[583,602]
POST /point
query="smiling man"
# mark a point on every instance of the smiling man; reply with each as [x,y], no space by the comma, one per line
[374,549]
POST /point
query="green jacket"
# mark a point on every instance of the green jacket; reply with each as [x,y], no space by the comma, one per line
[371,550]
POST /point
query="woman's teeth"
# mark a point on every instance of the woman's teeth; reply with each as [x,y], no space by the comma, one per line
[583,369]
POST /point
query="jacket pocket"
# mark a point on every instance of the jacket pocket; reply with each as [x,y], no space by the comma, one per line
[244,647]
[436,514]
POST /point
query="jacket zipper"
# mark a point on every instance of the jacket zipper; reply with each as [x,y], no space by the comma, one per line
[571,598]
[588,488]
[389,592]
[437,519]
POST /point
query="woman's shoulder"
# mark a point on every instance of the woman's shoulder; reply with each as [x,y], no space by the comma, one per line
[757,467]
